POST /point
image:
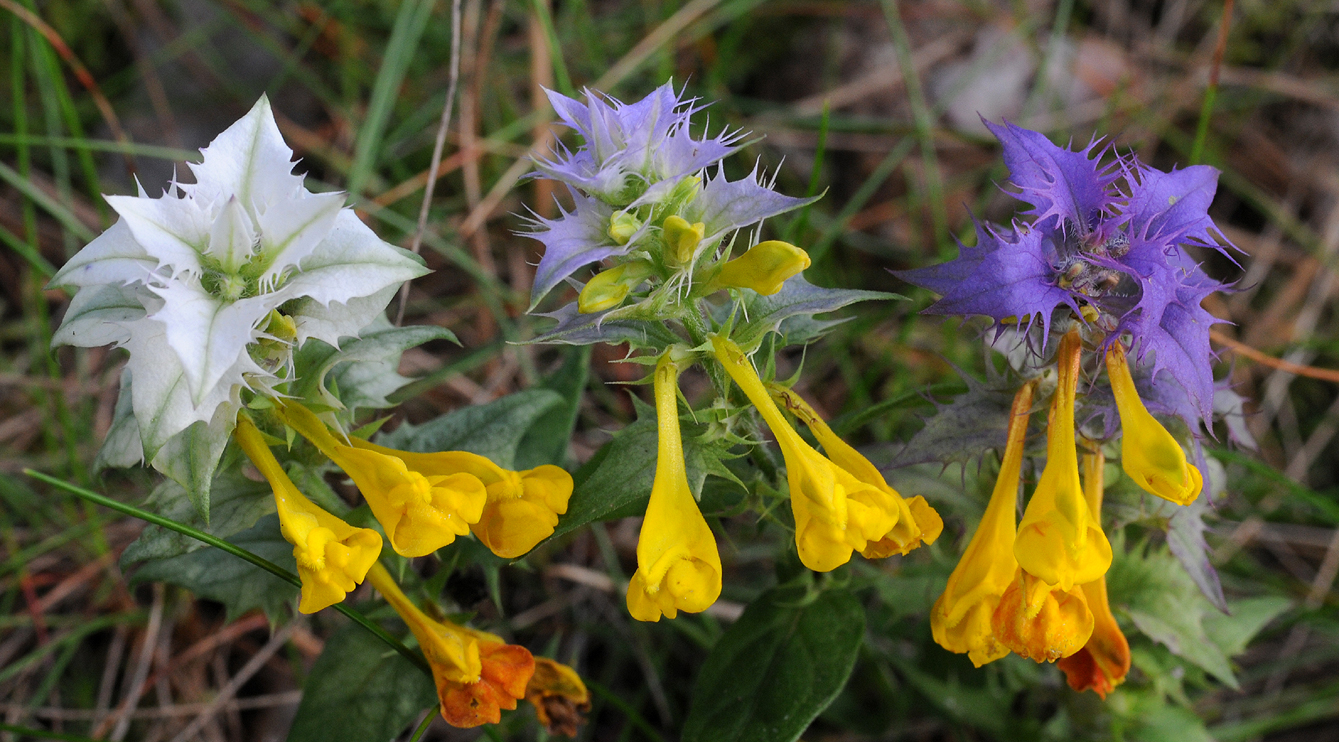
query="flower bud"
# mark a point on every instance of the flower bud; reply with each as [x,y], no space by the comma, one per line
[764,268]
[622,226]
[681,239]
[609,288]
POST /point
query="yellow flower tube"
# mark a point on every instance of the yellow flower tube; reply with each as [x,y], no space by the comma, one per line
[522,507]
[917,522]
[822,494]
[1059,541]
[1148,453]
[961,618]
[681,238]
[1104,661]
[678,565]
[420,512]
[332,556]
[477,674]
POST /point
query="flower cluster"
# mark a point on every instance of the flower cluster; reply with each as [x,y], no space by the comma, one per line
[665,227]
[215,289]
[213,285]
[1107,269]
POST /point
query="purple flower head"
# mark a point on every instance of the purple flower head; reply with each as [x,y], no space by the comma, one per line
[630,146]
[1108,237]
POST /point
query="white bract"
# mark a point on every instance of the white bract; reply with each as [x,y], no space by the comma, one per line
[213,285]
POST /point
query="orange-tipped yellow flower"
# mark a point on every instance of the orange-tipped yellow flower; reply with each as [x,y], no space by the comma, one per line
[1104,661]
[678,565]
[477,674]
[559,696]
[332,556]
[764,268]
[835,512]
[961,618]
[1059,541]
[1040,621]
[522,507]
[1148,453]
[421,512]
[917,522]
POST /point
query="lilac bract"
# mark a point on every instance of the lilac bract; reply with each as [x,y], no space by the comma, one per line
[1110,237]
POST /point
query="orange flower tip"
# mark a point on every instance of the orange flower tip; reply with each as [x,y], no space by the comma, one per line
[1041,622]
[505,674]
[1082,672]
[559,696]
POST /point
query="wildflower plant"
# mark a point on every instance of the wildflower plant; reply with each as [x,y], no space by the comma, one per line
[252,310]
[1096,276]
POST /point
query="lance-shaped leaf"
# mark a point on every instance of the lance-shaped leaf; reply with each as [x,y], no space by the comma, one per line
[962,430]
[113,257]
[724,206]
[364,370]
[575,328]
[99,315]
[797,298]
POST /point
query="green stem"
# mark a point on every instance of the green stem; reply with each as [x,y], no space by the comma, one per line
[698,330]
[233,549]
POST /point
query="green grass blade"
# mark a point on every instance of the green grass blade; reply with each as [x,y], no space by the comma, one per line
[410,22]
[233,549]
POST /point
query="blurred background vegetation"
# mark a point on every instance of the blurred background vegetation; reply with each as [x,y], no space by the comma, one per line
[875,103]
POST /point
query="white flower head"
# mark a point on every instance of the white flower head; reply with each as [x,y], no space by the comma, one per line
[213,285]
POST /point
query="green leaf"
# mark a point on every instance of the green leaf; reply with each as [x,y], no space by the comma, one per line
[575,328]
[235,505]
[1185,539]
[360,691]
[797,298]
[1164,603]
[546,440]
[493,430]
[777,667]
[1233,631]
[240,586]
[962,430]
[363,370]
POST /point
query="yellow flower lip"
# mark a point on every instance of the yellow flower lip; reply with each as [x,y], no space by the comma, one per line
[914,522]
[421,509]
[763,268]
[1042,622]
[521,508]
[961,618]
[332,556]
[678,564]
[1149,454]
[1059,541]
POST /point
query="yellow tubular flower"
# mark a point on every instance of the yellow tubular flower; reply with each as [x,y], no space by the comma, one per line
[559,696]
[835,513]
[916,522]
[477,674]
[622,226]
[764,268]
[332,556]
[961,618]
[522,508]
[1148,453]
[421,511]
[608,289]
[681,238]
[678,566]
[1058,540]
[1104,661]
